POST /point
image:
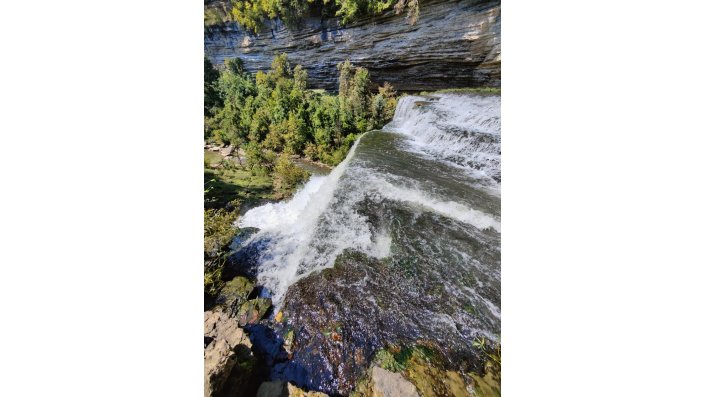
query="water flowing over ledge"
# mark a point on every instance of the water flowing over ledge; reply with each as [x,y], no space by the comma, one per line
[399,243]
[292,227]
[463,130]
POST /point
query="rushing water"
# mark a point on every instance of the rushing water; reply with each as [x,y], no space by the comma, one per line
[413,217]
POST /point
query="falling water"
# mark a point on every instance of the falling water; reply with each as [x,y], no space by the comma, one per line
[408,226]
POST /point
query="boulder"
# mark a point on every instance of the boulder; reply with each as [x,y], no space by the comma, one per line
[253,310]
[385,383]
[226,345]
[280,388]
[234,293]
[296,392]
[271,389]
[226,151]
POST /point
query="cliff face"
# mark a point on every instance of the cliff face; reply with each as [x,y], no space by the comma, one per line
[454,43]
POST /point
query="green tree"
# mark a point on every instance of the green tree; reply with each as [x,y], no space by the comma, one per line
[252,14]
[300,78]
[377,110]
[287,175]
[281,68]
[211,98]
[259,161]
[275,112]
[235,65]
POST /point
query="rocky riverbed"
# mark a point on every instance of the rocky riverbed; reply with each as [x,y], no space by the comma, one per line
[381,278]
[243,351]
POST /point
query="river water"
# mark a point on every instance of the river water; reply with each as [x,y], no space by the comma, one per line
[399,244]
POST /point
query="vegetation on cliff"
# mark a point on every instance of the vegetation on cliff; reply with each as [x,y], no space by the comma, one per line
[251,14]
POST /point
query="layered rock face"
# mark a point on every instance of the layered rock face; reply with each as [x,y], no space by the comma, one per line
[453,44]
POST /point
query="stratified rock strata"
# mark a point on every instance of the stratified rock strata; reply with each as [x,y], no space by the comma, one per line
[453,44]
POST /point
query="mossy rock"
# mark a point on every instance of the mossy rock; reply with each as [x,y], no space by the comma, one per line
[253,310]
[234,293]
[488,385]
[422,366]
[433,381]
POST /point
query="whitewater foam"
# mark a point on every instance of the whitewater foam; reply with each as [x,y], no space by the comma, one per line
[416,196]
[292,226]
[461,129]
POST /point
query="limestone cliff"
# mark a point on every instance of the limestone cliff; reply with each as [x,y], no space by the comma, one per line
[454,43]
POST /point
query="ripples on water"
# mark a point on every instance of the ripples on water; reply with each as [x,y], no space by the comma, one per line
[419,201]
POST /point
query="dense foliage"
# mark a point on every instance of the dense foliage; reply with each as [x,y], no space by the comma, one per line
[349,10]
[217,234]
[274,112]
[251,14]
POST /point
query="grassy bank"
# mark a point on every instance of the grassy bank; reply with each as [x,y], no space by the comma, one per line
[231,186]
[228,184]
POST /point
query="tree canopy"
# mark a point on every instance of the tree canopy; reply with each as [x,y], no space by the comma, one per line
[251,14]
[275,112]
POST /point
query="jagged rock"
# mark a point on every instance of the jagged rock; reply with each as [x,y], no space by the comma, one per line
[454,43]
[289,341]
[280,388]
[384,383]
[253,310]
[227,345]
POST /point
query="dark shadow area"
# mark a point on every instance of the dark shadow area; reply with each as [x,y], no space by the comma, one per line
[219,192]
[244,379]
[244,259]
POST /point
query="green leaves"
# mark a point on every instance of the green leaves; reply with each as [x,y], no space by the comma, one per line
[493,353]
[252,14]
[479,343]
[274,112]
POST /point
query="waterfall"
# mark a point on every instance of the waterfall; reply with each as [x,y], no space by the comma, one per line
[418,203]
[292,226]
[463,130]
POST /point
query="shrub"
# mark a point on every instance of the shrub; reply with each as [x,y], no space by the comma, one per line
[218,230]
[288,175]
[260,162]
[311,151]
[212,283]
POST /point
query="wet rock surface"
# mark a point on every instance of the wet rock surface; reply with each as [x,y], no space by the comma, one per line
[453,44]
[253,310]
[337,332]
